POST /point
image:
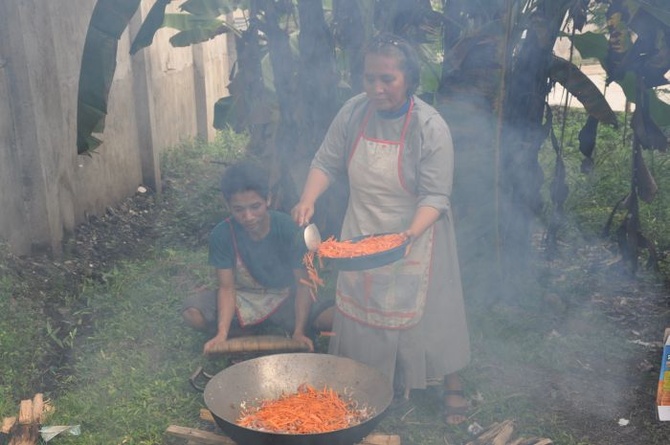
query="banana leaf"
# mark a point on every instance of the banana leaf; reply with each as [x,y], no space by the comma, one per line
[590,45]
[658,109]
[650,135]
[646,184]
[197,35]
[186,22]
[152,23]
[108,21]
[212,8]
[657,8]
[580,86]
[195,29]
[587,137]
[578,14]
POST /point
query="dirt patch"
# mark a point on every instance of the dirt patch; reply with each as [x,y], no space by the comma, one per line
[123,233]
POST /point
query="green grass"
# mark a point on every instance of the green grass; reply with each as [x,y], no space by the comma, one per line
[131,371]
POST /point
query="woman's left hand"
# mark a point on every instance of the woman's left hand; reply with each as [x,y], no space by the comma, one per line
[407,234]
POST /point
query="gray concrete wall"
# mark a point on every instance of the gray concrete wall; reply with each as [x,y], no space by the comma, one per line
[159,97]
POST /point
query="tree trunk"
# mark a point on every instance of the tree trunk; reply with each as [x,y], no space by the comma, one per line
[319,102]
[521,176]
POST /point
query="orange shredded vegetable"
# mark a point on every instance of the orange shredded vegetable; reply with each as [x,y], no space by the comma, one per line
[307,411]
[331,248]
[313,280]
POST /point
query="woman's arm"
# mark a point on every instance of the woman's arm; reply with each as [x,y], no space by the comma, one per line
[317,183]
[424,217]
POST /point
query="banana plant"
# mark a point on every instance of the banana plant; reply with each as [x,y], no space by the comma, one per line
[639,65]
[297,58]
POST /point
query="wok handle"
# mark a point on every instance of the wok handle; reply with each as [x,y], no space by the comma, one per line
[197,377]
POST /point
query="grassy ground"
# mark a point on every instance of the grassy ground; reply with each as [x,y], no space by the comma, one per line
[577,351]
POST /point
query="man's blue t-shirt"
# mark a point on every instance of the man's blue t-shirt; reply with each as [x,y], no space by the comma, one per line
[271,260]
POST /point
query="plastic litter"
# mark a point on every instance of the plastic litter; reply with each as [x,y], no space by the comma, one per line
[475,429]
[49,432]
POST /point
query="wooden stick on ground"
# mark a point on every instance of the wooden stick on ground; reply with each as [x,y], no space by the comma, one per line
[26,431]
[7,424]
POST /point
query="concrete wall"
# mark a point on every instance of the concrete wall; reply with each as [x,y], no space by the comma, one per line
[159,97]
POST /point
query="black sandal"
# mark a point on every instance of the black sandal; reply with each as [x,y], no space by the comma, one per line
[450,411]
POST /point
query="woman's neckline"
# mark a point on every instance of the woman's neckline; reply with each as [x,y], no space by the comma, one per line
[395,113]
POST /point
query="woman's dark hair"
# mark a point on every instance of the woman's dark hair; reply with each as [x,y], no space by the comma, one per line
[391,45]
[245,176]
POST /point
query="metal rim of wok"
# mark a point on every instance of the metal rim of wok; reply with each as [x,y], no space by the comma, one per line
[267,377]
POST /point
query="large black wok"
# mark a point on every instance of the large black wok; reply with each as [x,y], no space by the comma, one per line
[267,377]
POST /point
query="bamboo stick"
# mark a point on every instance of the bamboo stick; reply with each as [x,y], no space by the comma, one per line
[259,343]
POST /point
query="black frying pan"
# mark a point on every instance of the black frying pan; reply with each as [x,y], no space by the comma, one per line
[267,377]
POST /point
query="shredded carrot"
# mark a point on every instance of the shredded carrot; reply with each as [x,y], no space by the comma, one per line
[313,280]
[307,411]
[331,248]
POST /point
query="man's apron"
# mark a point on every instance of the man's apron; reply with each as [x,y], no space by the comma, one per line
[253,303]
[392,296]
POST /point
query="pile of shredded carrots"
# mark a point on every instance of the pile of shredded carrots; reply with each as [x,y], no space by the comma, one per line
[331,248]
[308,411]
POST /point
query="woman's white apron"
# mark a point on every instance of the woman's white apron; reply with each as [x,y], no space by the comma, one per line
[392,296]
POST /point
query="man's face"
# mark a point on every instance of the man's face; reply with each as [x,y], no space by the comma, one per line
[250,210]
[384,82]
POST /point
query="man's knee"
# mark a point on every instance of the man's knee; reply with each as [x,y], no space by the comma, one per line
[324,320]
[194,318]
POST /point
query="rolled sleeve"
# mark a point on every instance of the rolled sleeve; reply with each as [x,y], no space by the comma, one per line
[436,165]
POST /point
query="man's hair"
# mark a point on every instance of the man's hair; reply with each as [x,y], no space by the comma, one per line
[245,176]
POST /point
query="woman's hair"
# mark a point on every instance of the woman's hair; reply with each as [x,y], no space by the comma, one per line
[394,46]
[245,176]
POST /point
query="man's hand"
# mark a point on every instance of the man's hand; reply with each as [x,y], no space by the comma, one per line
[302,338]
[214,344]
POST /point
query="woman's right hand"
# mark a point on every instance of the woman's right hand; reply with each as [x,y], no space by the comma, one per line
[302,213]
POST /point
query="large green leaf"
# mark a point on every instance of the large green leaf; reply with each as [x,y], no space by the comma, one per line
[152,23]
[212,8]
[108,21]
[197,35]
[658,109]
[590,45]
[658,8]
[186,22]
[580,86]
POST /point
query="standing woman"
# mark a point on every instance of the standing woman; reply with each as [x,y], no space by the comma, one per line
[406,319]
